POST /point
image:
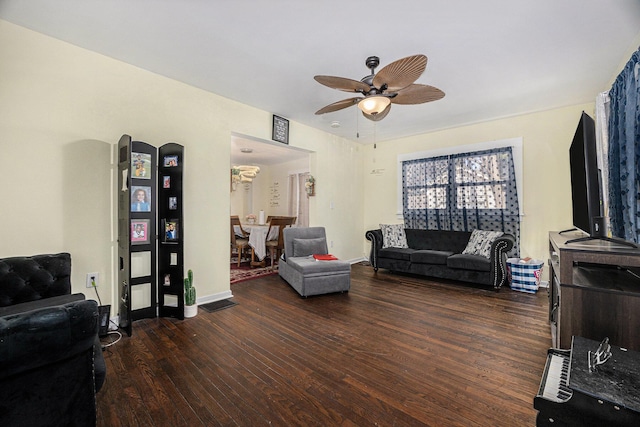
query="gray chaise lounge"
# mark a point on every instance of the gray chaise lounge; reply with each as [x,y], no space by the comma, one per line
[304,273]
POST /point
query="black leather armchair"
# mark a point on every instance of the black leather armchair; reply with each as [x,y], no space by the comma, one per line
[47,366]
[50,353]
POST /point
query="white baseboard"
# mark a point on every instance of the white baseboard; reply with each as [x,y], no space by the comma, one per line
[215,297]
[115,320]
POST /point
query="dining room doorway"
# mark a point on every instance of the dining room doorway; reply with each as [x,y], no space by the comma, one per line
[268,179]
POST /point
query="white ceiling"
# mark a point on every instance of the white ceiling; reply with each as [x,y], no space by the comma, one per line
[492,58]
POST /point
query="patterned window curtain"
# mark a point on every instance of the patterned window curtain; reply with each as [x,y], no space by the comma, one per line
[462,192]
[624,152]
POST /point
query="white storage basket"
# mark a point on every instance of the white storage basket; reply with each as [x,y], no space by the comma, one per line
[524,275]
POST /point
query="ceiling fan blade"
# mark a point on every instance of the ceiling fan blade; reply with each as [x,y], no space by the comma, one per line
[401,73]
[338,105]
[417,94]
[379,116]
[344,84]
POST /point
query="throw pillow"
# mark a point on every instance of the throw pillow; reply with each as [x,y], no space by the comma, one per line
[306,247]
[393,236]
[480,243]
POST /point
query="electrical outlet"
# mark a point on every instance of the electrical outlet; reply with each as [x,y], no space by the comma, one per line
[93,276]
[332,243]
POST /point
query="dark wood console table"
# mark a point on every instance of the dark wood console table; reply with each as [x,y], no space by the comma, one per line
[594,291]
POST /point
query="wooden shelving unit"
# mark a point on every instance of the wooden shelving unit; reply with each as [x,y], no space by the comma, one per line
[594,291]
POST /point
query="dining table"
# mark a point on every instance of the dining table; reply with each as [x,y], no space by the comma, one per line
[259,234]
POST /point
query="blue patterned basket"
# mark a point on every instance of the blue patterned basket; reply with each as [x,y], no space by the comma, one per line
[524,276]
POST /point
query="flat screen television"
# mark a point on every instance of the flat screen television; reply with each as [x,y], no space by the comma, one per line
[586,184]
[586,194]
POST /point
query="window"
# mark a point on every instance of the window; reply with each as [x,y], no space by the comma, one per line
[462,191]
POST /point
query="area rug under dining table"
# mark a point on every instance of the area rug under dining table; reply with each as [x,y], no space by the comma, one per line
[245,272]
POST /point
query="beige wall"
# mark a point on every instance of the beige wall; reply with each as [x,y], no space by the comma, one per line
[63,109]
[257,194]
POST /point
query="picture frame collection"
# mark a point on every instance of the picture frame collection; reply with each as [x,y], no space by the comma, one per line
[141,200]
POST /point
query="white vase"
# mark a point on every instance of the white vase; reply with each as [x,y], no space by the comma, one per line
[190,310]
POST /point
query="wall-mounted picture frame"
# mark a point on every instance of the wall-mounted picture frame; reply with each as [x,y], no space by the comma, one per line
[171,228]
[140,232]
[166,182]
[141,165]
[173,203]
[170,161]
[280,129]
[140,198]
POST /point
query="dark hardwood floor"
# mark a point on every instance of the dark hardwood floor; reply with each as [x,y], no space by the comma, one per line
[394,351]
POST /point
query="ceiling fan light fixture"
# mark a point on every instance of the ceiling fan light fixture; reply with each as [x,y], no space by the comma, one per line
[374,104]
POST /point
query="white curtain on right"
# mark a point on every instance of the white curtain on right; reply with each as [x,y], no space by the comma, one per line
[298,199]
[602,146]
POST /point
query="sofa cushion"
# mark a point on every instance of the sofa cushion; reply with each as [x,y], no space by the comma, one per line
[469,262]
[393,236]
[437,240]
[396,253]
[306,247]
[480,242]
[430,257]
[310,267]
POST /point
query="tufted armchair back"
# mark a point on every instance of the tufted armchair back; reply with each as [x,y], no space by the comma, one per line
[24,279]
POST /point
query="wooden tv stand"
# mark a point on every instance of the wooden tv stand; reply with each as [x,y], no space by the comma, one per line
[594,291]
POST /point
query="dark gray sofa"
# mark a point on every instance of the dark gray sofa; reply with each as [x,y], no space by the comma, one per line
[438,253]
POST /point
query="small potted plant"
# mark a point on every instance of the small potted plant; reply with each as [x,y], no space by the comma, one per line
[190,306]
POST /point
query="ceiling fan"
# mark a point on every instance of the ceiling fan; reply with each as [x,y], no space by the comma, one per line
[393,84]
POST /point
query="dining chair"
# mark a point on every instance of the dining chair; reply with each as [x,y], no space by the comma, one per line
[276,246]
[238,243]
[270,217]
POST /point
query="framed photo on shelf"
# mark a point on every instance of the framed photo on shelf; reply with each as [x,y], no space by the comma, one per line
[141,165]
[166,182]
[140,199]
[171,229]
[173,203]
[167,279]
[170,161]
[140,231]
